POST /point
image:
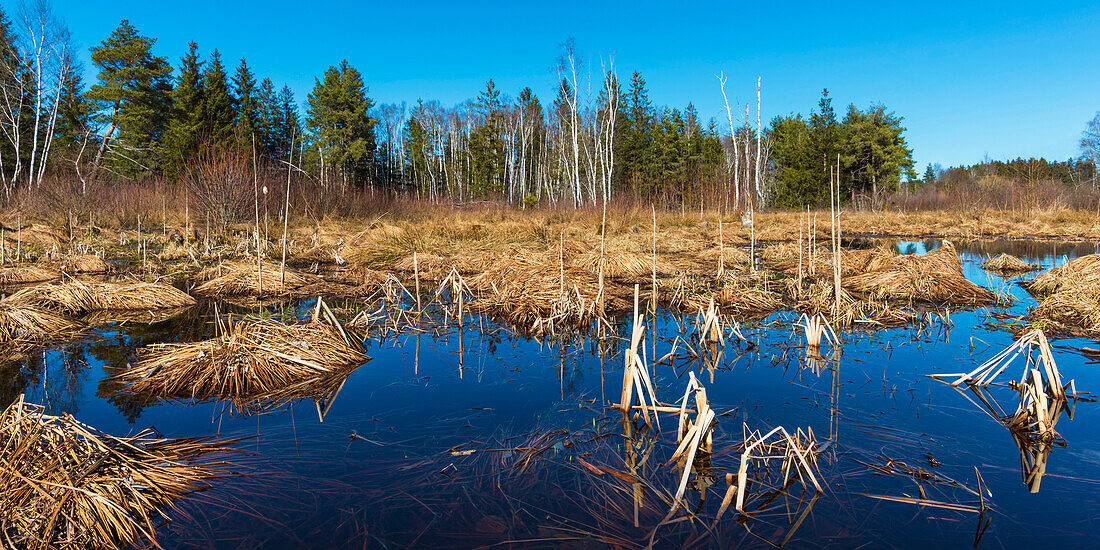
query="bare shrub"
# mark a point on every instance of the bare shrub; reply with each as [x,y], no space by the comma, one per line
[219,177]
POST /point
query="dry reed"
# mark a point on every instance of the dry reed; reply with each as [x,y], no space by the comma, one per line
[78,297]
[250,358]
[67,485]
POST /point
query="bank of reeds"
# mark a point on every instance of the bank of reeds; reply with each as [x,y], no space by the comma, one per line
[250,358]
[24,274]
[22,324]
[66,485]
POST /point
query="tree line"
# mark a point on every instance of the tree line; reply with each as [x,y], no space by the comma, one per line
[597,138]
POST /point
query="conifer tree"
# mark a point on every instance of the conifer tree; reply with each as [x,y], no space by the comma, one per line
[267,119]
[218,117]
[288,129]
[186,120]
[339,121]
[246,104]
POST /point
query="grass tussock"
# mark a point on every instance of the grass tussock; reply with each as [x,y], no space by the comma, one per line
[83,263]
[69,486]
[78,297]
[25,274]
[1069,297]
[935,277]
[23,324]
[245,279]
[1006,263]
[250,358]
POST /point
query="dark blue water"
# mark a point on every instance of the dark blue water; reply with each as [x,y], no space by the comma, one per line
[382,471]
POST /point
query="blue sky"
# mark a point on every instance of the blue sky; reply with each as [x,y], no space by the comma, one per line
[1002,79]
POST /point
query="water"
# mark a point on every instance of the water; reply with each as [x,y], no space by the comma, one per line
[387,469]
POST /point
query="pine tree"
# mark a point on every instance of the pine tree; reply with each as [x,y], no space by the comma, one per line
[874,154]
[338,118]
[486,145]
[185,124]
[217,113]
[929,175]
[131,96]
[246,105]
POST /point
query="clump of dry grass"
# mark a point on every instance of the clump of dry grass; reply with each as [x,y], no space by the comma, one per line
[83,263]
[78,297]
[1006,263]
[1081,272]
[621,264]
[250,358]
[173,251]
[21,324]
[245,279]
[66,485]
[1069,297]
[935,277]
[24,274]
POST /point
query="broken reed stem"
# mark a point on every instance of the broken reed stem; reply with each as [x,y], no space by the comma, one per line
[256,207]
[721,249]
[286,212]
[654,209]
[416,276]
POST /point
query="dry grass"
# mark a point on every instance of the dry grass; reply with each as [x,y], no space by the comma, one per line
[23,324]
[66,485]
[250,358]
[25,274]
[935,277]
[1006,263]
[244,279]
[78,297]
[83,263]
[1069,297]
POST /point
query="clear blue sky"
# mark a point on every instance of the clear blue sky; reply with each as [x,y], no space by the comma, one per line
[1002,79]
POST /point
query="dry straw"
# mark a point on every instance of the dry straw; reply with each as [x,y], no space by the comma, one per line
[1006,263]
[934,277]
[243,279]
[66,485]
[78,297]
[250,358]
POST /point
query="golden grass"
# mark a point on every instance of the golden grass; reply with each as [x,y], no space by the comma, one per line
[1069,297]
[66,485]
[78,297]
[1006,263]
[244,279]
[250,358]
[83,263]
[22,324]
[934,277]
[24,274]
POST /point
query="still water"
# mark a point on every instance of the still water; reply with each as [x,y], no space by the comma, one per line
[389,466]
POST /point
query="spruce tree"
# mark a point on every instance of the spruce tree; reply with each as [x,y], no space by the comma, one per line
[288,129]
[267,121]
[185,124]
[246,105]
[131,96]
[338,118]
[218,117]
